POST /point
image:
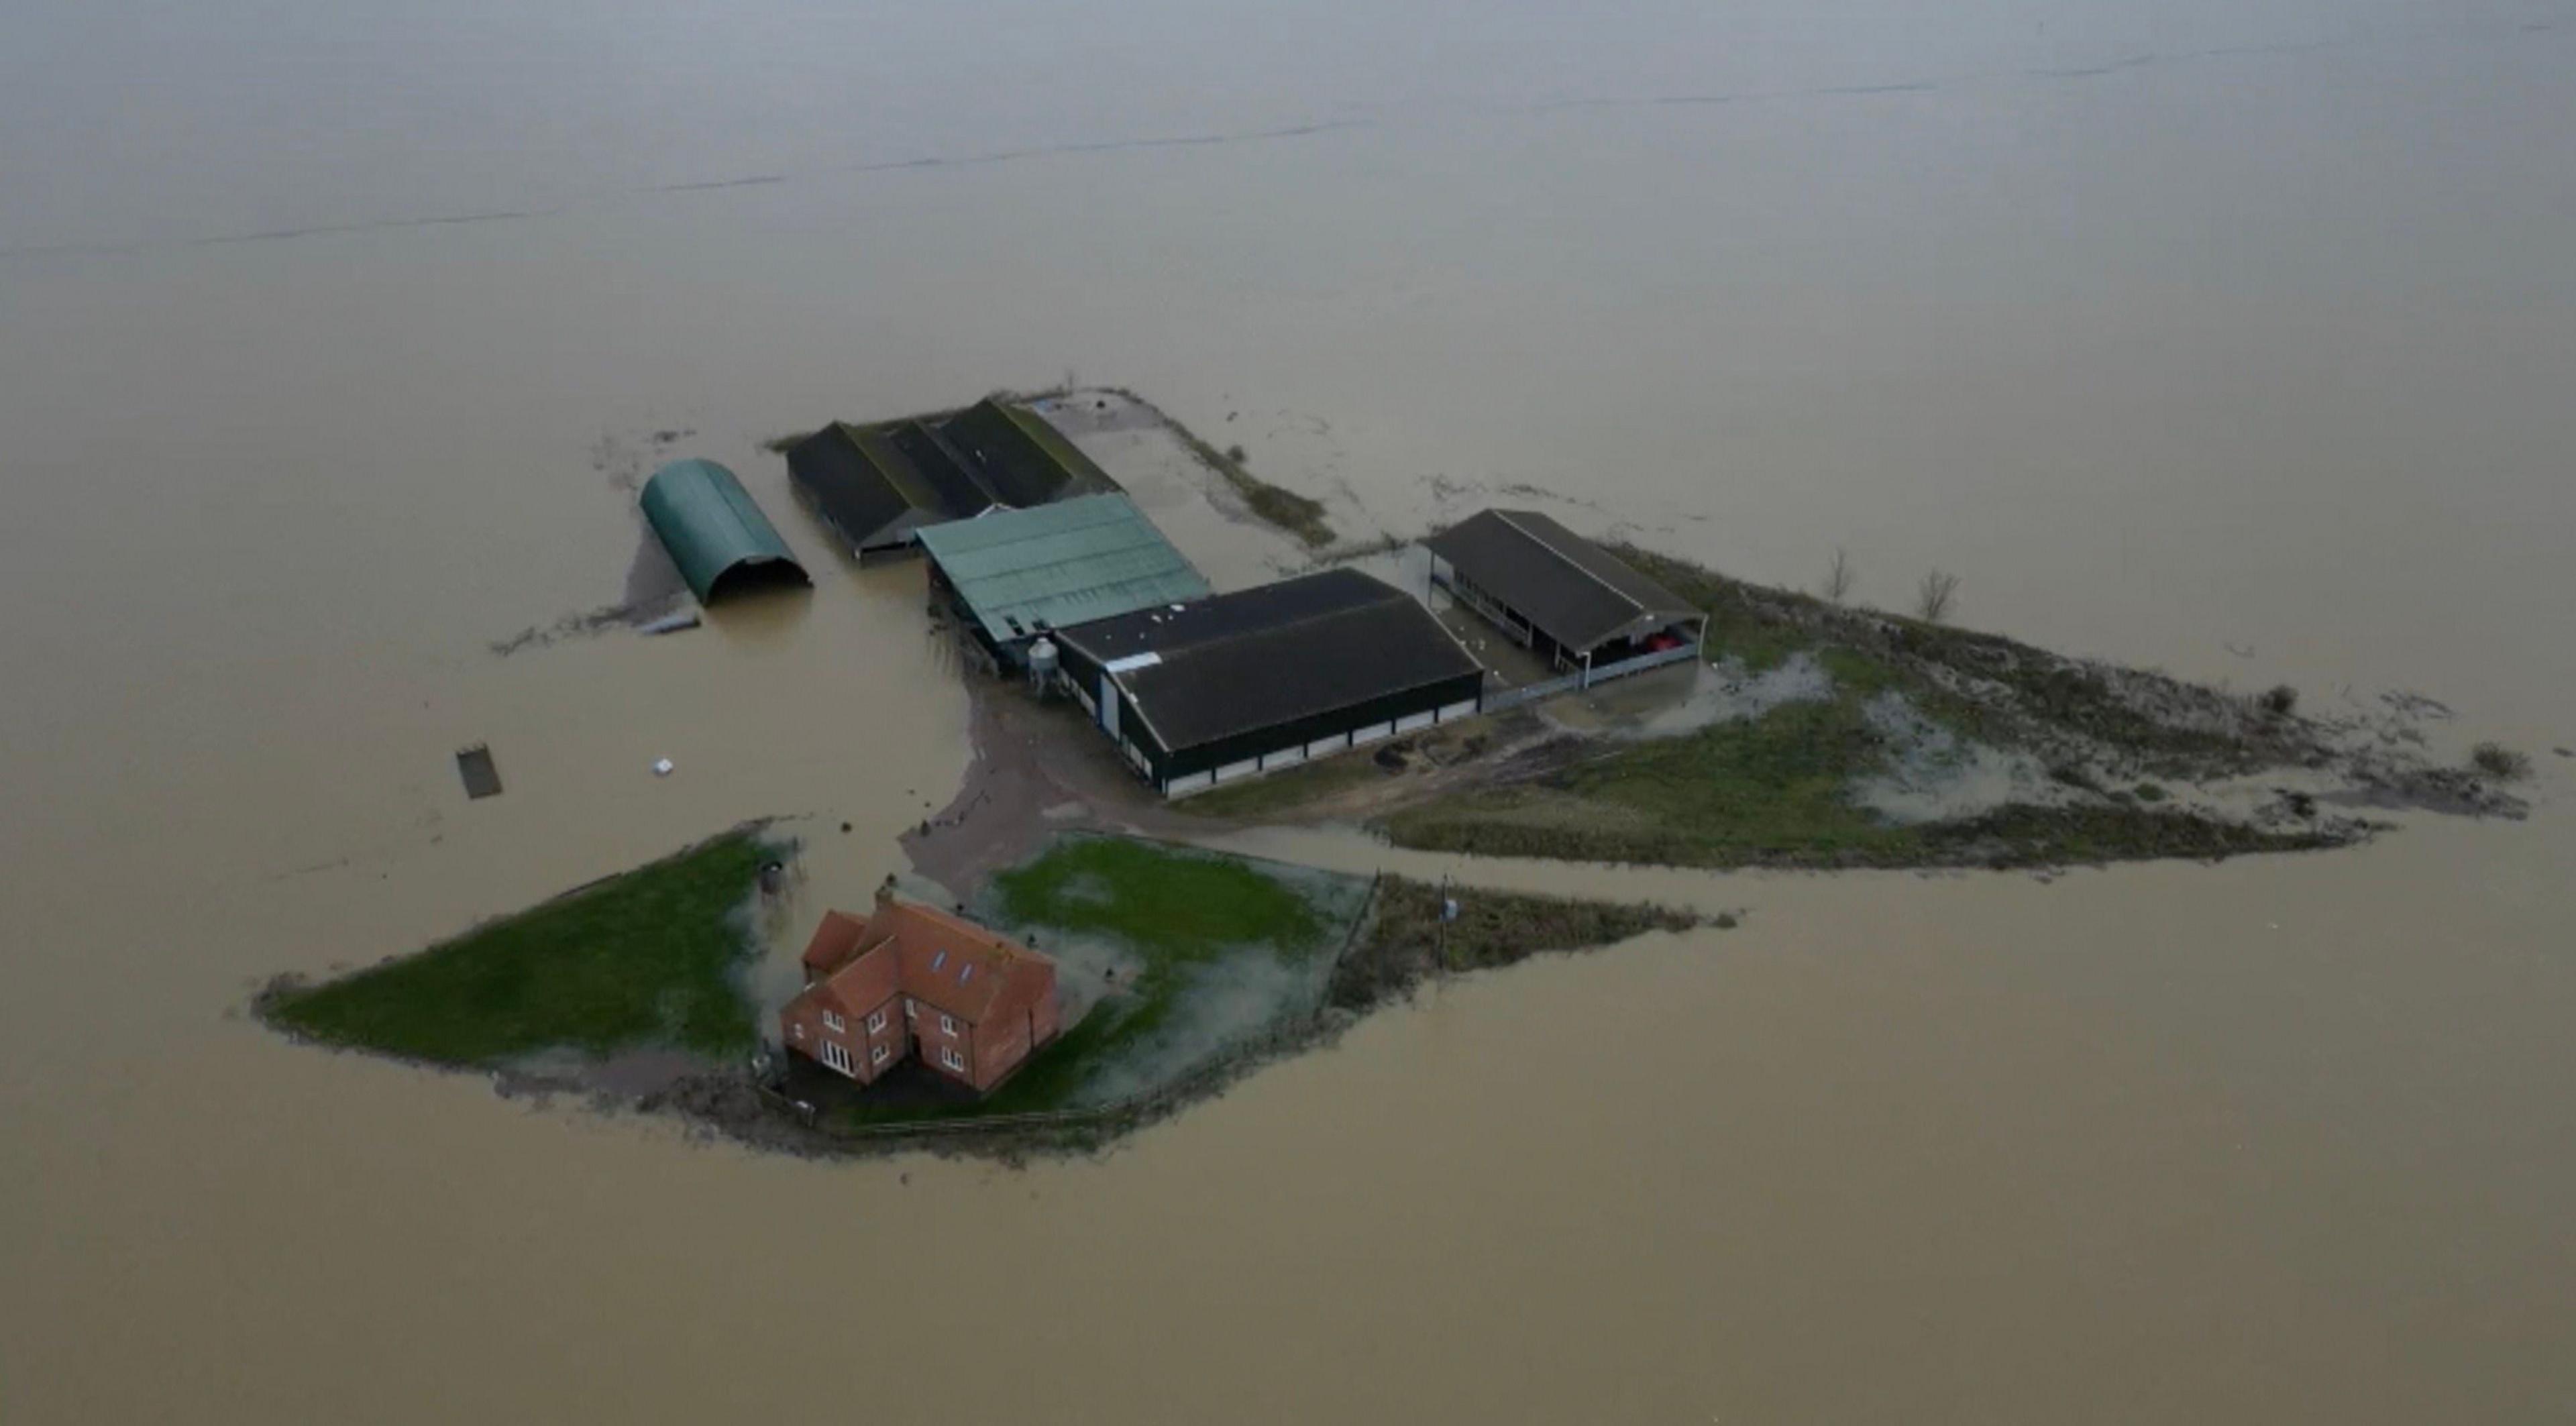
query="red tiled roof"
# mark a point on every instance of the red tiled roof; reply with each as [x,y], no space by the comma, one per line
[867,982]
[835,941]
[943,961]
[955,965]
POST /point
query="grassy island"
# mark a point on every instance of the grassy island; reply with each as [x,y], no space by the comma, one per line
[648,958]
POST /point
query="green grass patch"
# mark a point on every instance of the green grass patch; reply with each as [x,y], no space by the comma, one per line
[1771,789]
[2042,691]
[649,957]
[1176,904]
[1857,674]
[1176,909]
[1775,791]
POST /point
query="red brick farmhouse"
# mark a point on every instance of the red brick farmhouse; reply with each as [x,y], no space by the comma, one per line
[974,1004]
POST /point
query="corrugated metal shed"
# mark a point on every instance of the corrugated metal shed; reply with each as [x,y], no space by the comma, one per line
[715,534]
[1055,566]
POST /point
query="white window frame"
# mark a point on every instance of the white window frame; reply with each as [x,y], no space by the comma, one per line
[838,1058]
[876,1022]
[947,1025]
[835,1023]
[948,1056]
[880,1054]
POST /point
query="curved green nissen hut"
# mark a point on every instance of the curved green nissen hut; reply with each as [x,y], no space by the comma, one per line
[717,537]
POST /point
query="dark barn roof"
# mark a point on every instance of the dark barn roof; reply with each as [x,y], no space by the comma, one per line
[1234,663]
[875,484]
[958,493]
[1020,459]
[864,485]
[1576,592]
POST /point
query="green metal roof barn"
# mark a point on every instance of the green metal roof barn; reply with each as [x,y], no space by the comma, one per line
[717,537]
[1017,573]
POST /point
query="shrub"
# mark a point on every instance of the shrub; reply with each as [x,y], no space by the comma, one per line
[2279,700]
[1932,599]
[2500,762]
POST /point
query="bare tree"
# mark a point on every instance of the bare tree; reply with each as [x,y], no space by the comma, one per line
[1932,599]
[1840,578]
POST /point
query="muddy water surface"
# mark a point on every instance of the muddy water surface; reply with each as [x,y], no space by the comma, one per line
[332,337]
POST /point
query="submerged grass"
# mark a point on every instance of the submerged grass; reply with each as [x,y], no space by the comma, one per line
[1406,939]
[1775,790]
[1773,793]
[1299,515]
[649,957]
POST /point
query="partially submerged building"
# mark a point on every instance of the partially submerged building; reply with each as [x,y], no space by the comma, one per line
[1009,577]
[911,979]
[1018,457]
[877,486]
[1212,690]
[1585,611]
[874,486]
[717,537]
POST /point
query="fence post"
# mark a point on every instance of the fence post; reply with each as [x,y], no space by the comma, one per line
[1440,917]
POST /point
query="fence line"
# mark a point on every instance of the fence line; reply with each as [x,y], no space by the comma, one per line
[1502,698]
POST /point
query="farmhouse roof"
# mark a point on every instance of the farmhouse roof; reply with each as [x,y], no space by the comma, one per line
[943,961]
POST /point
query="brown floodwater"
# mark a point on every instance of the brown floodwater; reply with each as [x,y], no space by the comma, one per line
[2231,338]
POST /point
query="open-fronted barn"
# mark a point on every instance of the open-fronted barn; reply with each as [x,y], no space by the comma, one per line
[1575,604]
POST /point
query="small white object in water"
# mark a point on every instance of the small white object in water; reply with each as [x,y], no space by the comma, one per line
[662,768]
